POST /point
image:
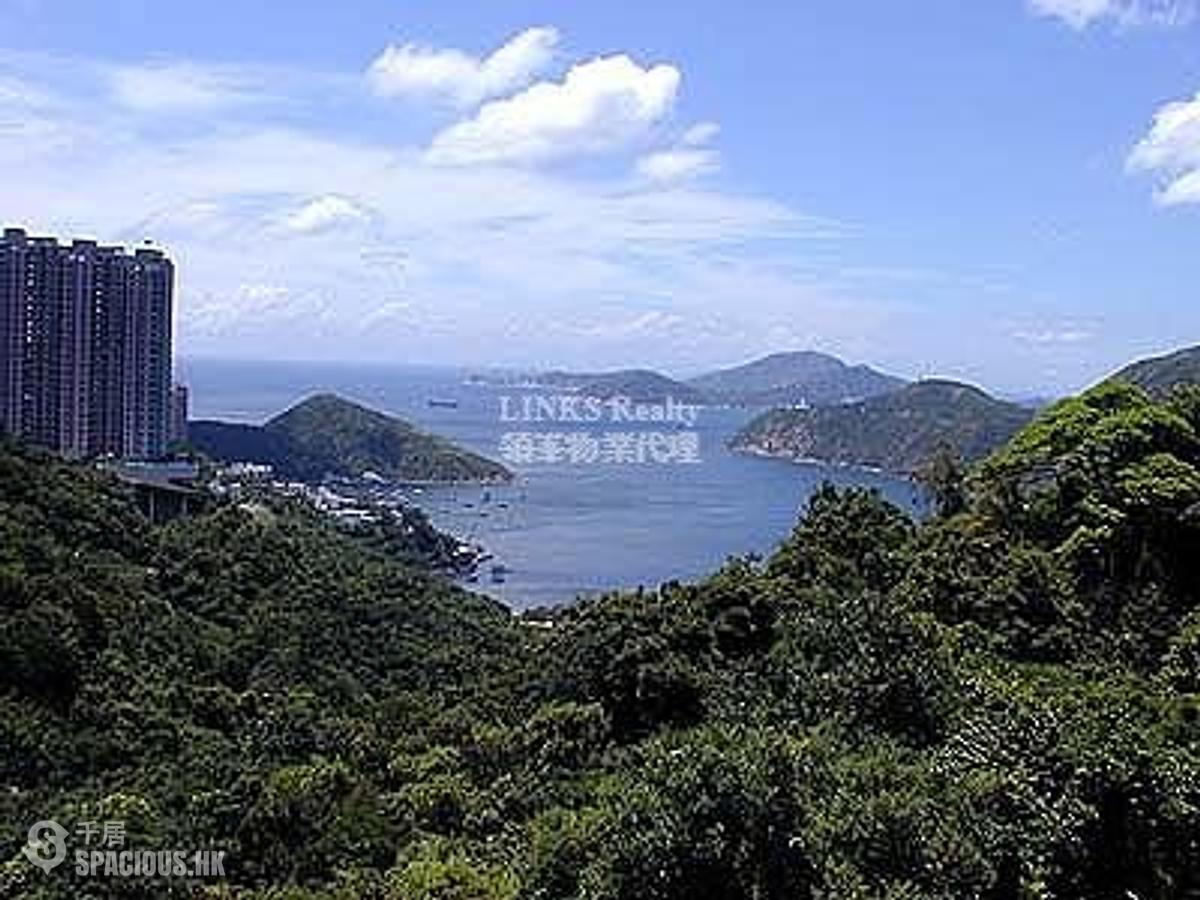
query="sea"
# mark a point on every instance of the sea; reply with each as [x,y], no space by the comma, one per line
[566,528]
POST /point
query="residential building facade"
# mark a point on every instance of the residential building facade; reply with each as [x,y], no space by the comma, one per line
[179,415]
[85,346]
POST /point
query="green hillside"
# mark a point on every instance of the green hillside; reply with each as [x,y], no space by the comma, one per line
[899,431]
[215,682]
[327,435]
[1161,374]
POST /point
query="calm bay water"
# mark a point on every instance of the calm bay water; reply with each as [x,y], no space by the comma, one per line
[562,530]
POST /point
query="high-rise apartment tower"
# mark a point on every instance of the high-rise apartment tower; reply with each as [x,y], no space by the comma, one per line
[85,346]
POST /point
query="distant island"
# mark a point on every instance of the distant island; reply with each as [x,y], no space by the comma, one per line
[640,385]
[1159,375]
[792,379]
[795,378]
[327,435]
[896,432]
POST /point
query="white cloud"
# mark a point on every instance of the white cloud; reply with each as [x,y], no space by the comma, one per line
[414,70]
[1067,335]
[180,87]
[1079,14]
[599,105]
[652,324]
[445,260]
[266,308]
[687,159]
[1076,13]
[31,116]
[266,294]
[324,212]
[469,251]
[1171,150]
[700,134]
[677,164]
[17,93]
[1183,190]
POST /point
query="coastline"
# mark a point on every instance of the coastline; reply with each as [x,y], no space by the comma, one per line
[762,453]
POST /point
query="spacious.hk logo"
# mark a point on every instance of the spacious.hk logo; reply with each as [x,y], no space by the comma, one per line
[47,845]
[103,853]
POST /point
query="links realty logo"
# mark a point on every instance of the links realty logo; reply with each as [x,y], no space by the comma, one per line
[100,852]
[616,430]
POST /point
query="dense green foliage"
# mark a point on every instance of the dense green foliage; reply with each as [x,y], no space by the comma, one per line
[791,379]
[998,703]
[328,435]
[200,680]
[899,431]
[1160,375]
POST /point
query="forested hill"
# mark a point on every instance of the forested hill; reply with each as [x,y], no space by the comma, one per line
[328,435]
[899,431]
[639,385]
[790,379]
[208,681]
[1161,374]
[1000,702]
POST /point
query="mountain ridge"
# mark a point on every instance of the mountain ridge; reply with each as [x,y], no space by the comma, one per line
[1159,375]
[790,378]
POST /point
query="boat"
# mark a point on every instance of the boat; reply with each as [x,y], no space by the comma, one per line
[436,403]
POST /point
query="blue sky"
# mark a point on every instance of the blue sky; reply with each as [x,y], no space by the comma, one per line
[1006,191]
